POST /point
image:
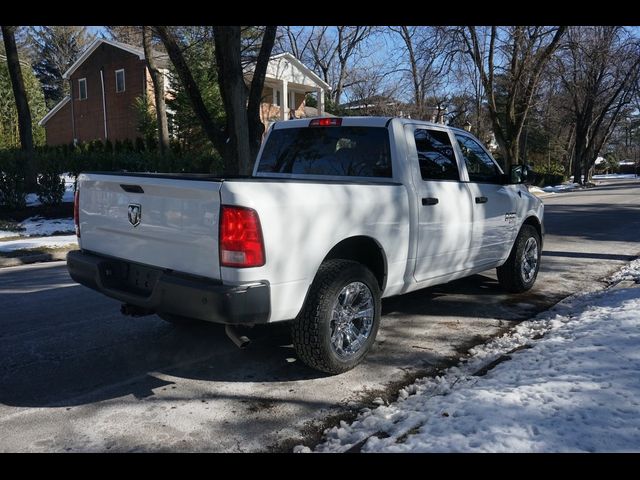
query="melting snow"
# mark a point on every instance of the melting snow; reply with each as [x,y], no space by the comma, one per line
[566,381]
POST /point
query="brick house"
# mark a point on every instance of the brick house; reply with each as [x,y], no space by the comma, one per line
[108,77]
[104,83]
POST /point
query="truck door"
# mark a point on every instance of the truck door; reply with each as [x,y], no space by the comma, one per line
[493,202]
[444,203]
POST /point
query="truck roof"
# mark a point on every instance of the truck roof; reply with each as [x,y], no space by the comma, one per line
[361,122]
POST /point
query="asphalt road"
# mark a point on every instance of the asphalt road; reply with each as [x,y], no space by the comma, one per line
[75,375]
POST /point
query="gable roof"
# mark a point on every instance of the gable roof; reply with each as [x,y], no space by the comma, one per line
[54,110]
[99,41]
[300,66]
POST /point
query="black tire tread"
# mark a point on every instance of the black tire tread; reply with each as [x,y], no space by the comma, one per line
[509,273]
[305,330]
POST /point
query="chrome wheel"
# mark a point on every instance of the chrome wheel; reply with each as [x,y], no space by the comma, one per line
[351,319]
[529,265]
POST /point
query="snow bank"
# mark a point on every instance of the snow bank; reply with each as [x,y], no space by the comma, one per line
[561,188]
[38,226]
[566,381]
[44,242]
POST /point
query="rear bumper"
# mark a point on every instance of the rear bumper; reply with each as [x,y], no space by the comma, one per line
[170,292]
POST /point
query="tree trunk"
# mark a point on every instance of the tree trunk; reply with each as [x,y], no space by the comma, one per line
[581,147]
[22,105]
[234,96]
[157,77]
[256,127]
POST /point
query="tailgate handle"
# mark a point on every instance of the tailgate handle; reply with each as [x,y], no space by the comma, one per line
[131,188]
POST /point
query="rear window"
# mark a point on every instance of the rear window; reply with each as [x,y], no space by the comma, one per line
[336,151]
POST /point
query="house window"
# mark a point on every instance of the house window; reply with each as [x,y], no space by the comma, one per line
[82,89]
[120,80]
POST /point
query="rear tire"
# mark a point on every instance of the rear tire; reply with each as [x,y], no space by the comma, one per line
[339,320]
[519,272]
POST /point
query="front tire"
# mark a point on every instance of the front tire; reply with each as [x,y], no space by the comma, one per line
[519,272]
[340,318]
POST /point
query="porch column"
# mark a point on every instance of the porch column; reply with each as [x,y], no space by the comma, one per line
[284,101]
[321,102]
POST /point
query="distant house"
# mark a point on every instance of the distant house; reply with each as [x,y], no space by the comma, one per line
[104,83]
[287,83]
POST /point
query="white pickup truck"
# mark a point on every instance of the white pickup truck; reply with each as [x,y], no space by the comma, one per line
[339,212]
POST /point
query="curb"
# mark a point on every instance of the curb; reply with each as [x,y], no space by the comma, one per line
[35,258]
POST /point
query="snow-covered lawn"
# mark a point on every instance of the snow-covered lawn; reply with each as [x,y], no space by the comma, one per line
[32,198]
[569,382]
[38,226]
[43,242]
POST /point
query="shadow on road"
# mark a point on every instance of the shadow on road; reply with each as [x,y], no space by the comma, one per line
[66,357]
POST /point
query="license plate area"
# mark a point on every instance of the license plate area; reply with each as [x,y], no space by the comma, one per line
[141,280]
[129,277]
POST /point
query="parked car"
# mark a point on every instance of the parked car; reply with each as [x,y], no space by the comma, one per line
[339,213]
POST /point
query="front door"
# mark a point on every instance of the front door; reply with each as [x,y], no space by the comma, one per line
[494,204]
[444,204]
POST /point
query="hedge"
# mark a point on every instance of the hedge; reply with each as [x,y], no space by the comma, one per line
[125,156]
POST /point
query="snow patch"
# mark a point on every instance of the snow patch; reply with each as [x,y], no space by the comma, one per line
[44,242]
[32,198]
[565,381]
[629,272]
[561,188]
[614,176]
[38,226]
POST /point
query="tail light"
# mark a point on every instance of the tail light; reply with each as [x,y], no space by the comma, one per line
[241,243]
[76,211]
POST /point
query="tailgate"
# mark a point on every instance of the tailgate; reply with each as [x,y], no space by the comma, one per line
[165,222]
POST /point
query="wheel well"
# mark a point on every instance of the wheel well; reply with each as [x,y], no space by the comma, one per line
[364,250]
[535,223]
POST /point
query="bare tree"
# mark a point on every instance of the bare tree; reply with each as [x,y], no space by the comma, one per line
[157,77]
[129,34]
[429,52]
[22,104]
[294,40]
[333,52]
[243,126]
[510,62]
[599,69]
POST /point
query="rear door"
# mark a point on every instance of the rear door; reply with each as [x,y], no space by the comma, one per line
[494,204]
[165,222]
[444,203]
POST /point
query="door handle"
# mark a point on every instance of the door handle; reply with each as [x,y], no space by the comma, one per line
[429,201]
[482,199]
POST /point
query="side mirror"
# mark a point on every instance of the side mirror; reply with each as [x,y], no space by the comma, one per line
[521,174]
